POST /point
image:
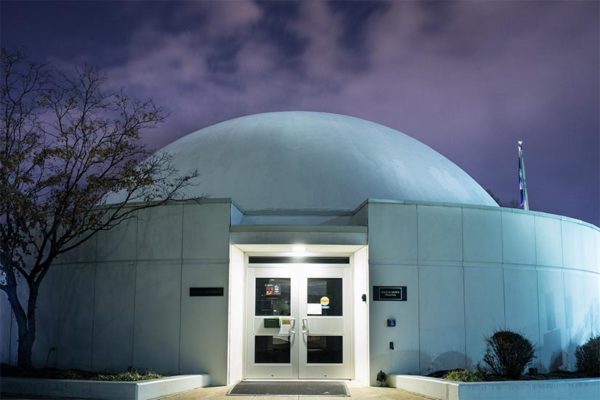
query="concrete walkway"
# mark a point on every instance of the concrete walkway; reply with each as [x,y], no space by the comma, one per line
[220,393]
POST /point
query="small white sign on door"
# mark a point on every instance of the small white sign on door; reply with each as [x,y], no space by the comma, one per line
[313,309]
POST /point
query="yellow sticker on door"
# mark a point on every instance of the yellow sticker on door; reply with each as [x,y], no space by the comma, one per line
[324,301]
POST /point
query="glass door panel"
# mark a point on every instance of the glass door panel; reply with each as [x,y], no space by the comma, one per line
[324,297]
[325,324]
[271,351]
[272,296]
[325,350]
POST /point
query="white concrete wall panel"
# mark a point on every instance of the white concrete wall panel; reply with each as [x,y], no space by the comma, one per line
[442,318]
[582,310]
[83,253]
[440,233]
[206,232]
[521,301]
[159,233]
[360,280]
[484,308]
[203,346]
[45,346]
[548,241]
[157,311]
[392,233]
[573,245]
[597,247]
[590,250]
[236,306]
[551,299]
[75,319]
[120,243]
[482,235]
[113,316]
[518,238]
[405,356]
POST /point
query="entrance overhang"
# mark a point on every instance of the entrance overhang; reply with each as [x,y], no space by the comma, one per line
[287,235]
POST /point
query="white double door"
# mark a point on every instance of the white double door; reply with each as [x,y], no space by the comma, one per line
[299,322]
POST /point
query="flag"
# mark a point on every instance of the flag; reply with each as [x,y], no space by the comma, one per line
[524,199]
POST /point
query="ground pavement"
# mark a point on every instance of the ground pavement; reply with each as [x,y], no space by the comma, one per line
[220,393]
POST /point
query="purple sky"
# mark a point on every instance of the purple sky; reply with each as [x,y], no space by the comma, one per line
[467,78]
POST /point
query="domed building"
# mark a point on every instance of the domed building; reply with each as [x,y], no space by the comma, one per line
[318,246]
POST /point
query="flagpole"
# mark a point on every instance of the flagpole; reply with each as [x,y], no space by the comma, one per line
[522,178]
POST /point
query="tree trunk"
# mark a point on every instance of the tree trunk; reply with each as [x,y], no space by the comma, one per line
[27,334]
[25,320]
[25,348]
[26,328]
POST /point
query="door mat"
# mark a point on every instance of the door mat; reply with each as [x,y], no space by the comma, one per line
[289,388]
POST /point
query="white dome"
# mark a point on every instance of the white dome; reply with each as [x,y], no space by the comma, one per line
[317,161]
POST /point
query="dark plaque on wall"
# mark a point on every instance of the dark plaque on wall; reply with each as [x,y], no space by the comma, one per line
[206,291]
[389,293]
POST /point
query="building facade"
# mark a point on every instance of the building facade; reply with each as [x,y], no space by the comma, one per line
[317,246]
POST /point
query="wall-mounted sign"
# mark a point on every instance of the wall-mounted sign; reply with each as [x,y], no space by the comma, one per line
[206,291]
[389,293]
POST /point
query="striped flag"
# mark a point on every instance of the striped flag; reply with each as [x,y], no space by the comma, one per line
[524,198]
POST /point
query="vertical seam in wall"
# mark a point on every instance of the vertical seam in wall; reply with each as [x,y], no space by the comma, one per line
[462,231]
[535,260]
[180,289]
[59,271]
[537,277]
[418,289]
[565,311]
[93,310]
[503,267]
[10,335]
[135,264]
[562,248]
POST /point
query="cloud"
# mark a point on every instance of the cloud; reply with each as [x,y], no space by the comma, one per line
[467,78]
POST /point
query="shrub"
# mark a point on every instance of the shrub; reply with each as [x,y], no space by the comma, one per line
[52,373]
[507,354]
[588,357]
[463,375]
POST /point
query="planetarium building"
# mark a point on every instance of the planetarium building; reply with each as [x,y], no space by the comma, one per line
[317,246]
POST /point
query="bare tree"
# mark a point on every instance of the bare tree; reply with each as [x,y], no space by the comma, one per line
[71,165]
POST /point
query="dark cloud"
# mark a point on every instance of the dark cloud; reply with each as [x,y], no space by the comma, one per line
[355,21]
[467,78]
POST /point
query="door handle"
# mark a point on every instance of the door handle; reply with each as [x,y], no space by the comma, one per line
[292,325]
[304,326]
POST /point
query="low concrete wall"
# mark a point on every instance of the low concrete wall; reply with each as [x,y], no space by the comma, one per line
[441,389]
[438,389]
[145,390]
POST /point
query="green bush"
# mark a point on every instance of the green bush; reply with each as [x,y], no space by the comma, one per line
[507,354]
[463,375]
[130,375]
[588,357]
